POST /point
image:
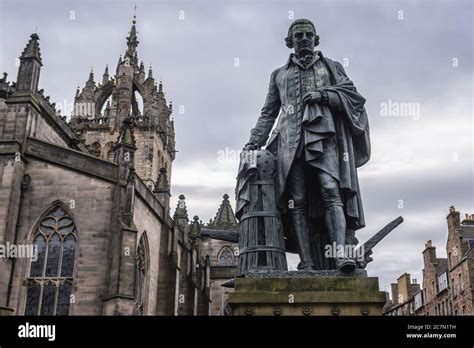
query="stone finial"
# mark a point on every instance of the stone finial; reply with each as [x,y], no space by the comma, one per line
[32,49]
[225,215]
[195,227]
[91,76]
[126,135]
[105,77]
[162,180]
[150,72]
[181,210]
[132,44]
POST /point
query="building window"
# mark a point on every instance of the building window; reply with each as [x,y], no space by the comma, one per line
[51,275]
[110,155]
[442,281]
[94,149]
[226,257]
[141,270]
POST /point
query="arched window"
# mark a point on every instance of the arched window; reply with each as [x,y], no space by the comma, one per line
[141,271]
[226,257]
[51,274]
[95,149]
[110,151]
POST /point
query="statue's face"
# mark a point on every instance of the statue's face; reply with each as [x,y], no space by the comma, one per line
[303,38]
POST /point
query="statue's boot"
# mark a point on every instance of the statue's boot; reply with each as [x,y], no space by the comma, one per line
[300,226]
[336,225]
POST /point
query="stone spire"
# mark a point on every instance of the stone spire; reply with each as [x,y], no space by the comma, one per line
[105,77]
[132,44]
[181,213]
[225,215]
[32,49]
[30,66]
[162,189]
[195,229]
[150,73]
[91,76]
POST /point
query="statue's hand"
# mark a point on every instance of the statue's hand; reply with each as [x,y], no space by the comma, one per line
[251,146]
[315,97]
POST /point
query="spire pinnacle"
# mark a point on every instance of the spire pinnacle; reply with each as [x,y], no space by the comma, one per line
[225,215]
[126,135]
[91,75]
[150,73]
[162,182]
[132,43]
[105,77]
[32,49]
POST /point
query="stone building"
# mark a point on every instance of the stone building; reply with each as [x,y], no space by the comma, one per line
[459,248]
[91,198]
[221,244]
[404,293]
[448,283]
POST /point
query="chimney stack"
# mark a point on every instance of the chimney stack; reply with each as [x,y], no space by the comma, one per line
[453,219]
[429,254]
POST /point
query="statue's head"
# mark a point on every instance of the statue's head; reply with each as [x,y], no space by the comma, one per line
[302,36]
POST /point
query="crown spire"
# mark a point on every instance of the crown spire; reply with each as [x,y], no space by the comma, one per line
[132,43]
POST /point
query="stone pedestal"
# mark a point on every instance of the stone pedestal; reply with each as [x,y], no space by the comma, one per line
[6,311]
[280,293]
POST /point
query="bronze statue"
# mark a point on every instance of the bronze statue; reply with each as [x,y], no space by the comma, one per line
[321,138]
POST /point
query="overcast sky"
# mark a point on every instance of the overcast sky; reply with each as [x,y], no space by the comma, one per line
[215,59]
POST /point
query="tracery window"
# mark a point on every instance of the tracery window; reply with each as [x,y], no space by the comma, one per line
[226,257]
[141,270]
[51,274]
